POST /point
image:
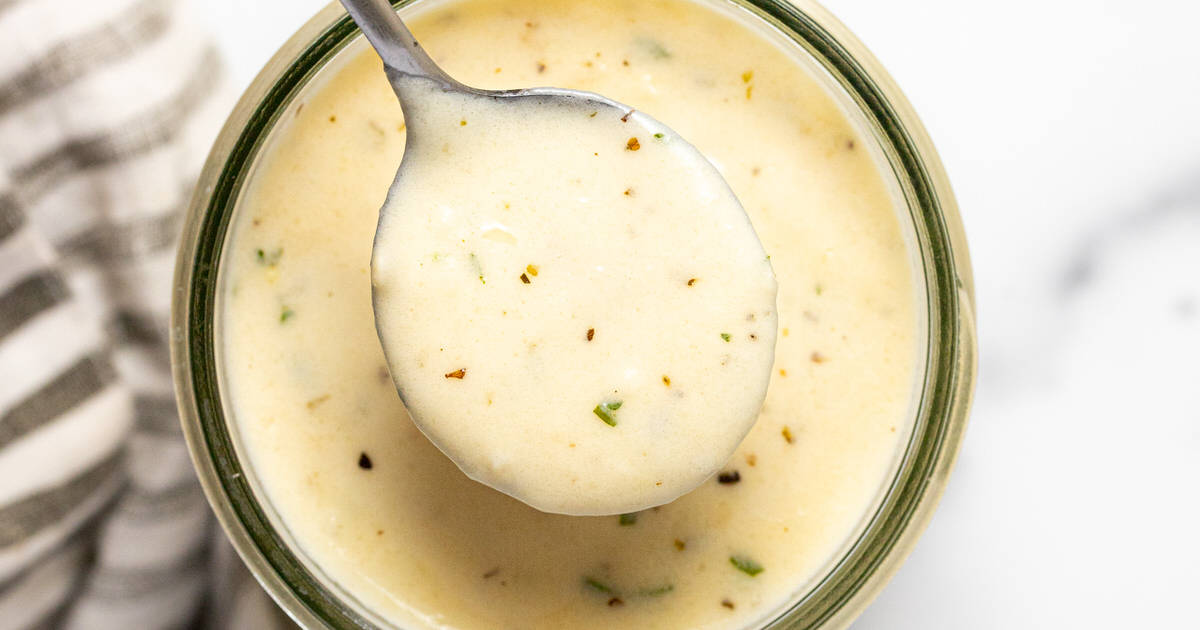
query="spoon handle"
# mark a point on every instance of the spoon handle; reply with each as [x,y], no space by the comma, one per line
[402,55]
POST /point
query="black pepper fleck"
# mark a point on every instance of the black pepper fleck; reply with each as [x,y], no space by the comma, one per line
[729,476]
[364,462]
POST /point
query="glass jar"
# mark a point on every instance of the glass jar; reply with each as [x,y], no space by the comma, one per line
[930,220]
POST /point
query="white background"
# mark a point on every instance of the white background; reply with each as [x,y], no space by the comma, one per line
[1071,132]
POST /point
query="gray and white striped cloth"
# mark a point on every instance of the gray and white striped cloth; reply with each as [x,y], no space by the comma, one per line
[107,110]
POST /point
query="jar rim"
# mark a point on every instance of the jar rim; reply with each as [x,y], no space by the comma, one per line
[946,389]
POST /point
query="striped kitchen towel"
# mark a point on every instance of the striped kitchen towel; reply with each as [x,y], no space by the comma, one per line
[107,110]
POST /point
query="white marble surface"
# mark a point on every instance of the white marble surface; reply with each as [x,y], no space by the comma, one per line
[1071,132]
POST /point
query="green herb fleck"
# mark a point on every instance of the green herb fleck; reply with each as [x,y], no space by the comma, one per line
[819,289]
[627,519]
[598,586]
[657,591]
[286,314]
[726,337]
[615,593]
[268,259]
[477,267]
[604,411]
[654,47]
[659,136]
[746,565]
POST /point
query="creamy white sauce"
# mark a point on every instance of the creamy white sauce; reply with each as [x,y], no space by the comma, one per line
[419,544]
[572,302]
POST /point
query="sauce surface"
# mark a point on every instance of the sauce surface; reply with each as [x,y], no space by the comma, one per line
[390,519]
[573,305]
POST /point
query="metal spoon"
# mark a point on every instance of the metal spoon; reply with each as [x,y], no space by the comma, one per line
[422,88]
[404,59]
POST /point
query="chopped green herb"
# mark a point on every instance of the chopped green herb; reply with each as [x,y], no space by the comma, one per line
[477,267]
[598,586]
[746,565]
[654,47]
[615,594]
[604,412]
[627,519]
[659,136]
[726,337]
[286,314]
[268,259]
[819,289]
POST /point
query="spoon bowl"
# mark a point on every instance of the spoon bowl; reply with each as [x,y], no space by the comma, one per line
[573,305]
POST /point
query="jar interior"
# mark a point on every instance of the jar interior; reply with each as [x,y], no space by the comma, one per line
[340,608]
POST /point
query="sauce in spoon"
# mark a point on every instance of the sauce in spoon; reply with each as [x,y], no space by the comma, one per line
[573,305]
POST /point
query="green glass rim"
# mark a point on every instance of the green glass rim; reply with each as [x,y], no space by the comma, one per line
[946,389]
